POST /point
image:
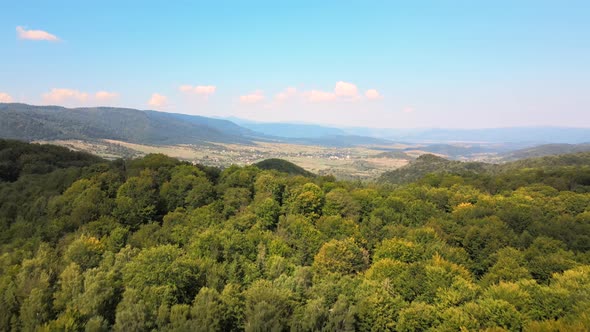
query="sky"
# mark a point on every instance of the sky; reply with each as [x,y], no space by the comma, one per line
[386,64]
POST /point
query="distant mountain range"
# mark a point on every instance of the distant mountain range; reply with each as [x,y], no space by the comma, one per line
[518,135]
[513,135]
[290,130]
[28,122]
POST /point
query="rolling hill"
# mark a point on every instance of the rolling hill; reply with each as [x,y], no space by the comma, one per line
[282,165]
[427,164]
[27,122]
[545,150]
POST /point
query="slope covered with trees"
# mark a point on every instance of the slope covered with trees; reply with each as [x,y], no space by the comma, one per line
[545,150]
[540,168]
[28,122]
[19,158]
[283,166]
[158,244]
[429,163]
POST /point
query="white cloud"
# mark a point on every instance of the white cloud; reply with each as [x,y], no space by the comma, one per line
[343,91]
[252,98]
[64,95]
[5,98]
[105,95]
[346,90]
[23,33]
[204,90]
[186,88]
[408,110]
[158,100]
[286,94]
[372,94]
[76,97]
[316,96]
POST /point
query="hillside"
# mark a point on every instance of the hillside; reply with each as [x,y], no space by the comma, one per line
[282,165]
[579,159]
[540,168]
[457,151]
[27,122]
[394,154]
[19,158]
[545,150]
[428,163]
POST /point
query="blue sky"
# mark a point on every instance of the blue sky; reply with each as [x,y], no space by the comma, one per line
[398,64]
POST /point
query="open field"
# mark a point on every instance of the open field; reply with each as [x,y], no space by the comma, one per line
[345,163]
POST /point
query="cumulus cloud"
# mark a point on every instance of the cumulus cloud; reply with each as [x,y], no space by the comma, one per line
[204,90]
[105,95]
[5,98]
[372,94]
[252,98]
[72,96]
[343,91]
[64,95]
[158,100]
[346,90]
[23,33]
[316,96]
[286,94]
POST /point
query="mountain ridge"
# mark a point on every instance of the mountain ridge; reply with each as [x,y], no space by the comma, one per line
[28,122]
[431,164]
[32,122]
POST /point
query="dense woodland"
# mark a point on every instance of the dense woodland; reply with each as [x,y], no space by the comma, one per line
[159,244]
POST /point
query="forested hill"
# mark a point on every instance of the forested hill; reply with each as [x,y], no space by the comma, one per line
[27,122]
[20,158]
[282,166]
[158,244]
[429,163]
[545,150]
[434,165]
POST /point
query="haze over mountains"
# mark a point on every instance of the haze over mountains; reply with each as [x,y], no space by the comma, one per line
[30,123]
[27,122]
[528,135]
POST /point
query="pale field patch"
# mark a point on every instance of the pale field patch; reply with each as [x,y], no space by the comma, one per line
[360,162]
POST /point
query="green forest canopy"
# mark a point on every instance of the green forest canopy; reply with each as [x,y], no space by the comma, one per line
[159,244]
[283,166]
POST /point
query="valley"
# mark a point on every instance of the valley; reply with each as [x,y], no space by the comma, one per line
[346,153]
[359,162]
